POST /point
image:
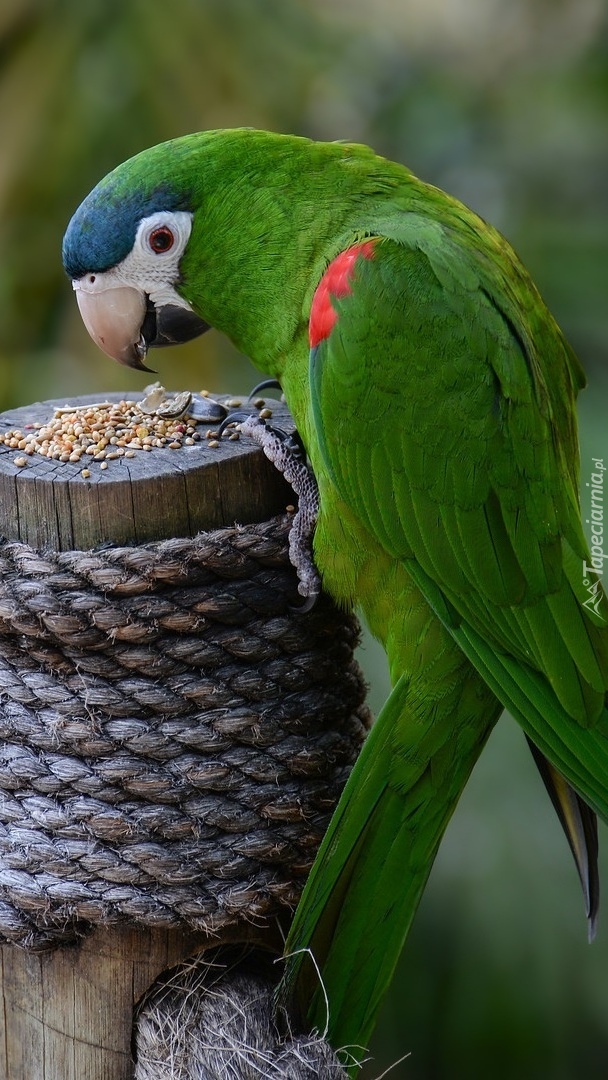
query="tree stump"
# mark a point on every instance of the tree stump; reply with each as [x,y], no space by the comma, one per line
[67,1013]
[147,497]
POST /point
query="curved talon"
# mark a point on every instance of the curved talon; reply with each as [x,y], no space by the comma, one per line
[266,384]
[292,441]
[237,417]
[303,609]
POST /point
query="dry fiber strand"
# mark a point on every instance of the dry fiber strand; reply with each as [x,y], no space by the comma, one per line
[215,1021]
[174,735]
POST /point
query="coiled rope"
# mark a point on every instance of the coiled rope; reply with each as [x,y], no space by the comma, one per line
[175,735]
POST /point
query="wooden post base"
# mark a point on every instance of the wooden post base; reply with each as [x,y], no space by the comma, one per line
[68,1014]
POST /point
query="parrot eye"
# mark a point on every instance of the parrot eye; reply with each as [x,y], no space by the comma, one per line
[161,239]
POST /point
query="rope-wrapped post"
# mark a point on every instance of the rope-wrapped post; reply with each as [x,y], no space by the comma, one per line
[175,737]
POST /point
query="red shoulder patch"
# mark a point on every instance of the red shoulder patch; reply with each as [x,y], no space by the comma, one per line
[335,282]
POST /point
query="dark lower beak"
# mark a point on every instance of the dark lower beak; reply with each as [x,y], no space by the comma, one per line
[170,325]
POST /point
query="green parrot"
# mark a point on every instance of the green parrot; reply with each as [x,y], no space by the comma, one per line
[435,397]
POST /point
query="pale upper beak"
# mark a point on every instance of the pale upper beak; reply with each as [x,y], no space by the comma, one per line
[125,323]
[114,318]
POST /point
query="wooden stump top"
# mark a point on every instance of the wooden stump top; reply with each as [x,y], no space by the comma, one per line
[151,496]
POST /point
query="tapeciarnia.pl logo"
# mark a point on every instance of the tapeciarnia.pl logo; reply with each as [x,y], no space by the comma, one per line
[596,524]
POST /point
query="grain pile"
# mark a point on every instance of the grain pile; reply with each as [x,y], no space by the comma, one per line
[105,431]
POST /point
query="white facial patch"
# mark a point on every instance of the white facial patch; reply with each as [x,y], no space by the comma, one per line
[152,265]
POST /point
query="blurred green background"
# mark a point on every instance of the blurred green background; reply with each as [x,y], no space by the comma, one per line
[505,104]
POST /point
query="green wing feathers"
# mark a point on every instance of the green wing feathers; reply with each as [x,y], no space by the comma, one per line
[458,451]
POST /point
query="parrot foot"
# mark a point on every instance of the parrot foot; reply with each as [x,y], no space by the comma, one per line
[287,454]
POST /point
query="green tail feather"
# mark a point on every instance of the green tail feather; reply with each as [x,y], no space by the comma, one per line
[365,886]
[579,823]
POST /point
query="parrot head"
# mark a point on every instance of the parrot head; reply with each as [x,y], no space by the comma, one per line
[123,250]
